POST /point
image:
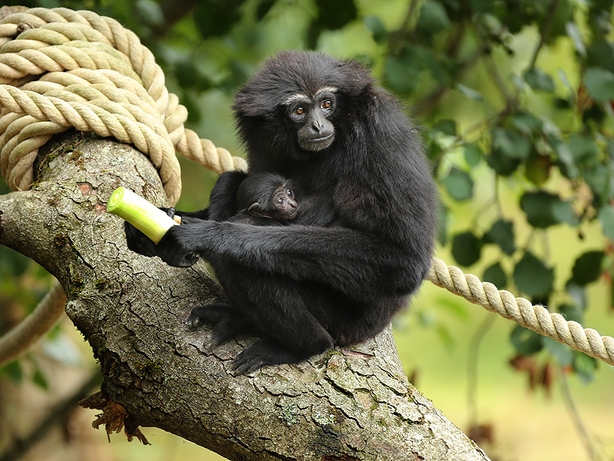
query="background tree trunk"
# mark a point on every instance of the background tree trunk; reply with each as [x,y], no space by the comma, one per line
[348,404]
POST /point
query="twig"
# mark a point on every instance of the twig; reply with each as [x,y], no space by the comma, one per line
[472,366]
[545,29]
[577,420]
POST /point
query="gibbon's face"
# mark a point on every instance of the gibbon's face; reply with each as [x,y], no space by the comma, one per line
[311,117]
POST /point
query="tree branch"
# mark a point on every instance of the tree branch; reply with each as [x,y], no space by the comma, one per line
[351,404]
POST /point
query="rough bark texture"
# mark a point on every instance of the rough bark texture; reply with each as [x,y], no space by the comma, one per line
[347,404]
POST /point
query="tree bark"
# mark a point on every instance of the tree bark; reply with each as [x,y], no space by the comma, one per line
[347,404]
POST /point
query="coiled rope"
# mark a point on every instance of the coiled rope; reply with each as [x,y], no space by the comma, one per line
[61,68]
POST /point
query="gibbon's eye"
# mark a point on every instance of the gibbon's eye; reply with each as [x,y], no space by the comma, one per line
[326,104]
[290,193]
[299,110]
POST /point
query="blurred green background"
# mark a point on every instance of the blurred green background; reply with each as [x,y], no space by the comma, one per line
[515,103]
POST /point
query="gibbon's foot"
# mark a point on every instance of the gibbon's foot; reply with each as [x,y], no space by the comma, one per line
[226,320]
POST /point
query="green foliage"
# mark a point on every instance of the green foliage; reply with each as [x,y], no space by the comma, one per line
[502,234]
[459,184]
[466,248]
[599,84]
[215,18]
[533,277]
[587,268]
[525,342]
[496,275]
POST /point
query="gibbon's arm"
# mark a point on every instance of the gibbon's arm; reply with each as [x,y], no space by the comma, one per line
[351,260]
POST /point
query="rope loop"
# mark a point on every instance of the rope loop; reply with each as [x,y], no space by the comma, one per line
[62,69]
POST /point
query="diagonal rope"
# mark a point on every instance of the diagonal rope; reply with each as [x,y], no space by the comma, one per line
[61,69]
[521,311]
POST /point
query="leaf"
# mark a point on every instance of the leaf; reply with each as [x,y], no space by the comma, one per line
[466,248]
[565,155]
[216,18]
[601,53]
[587,267]
[495,275]
[578,295]
[264,6]
[563,212]
[525,341]
[444,335]
[599,83]
[501,163]
[446,126]
[149,12]
[526,122]
[335,15]
[576,37]
[13,371]
[539,80]
[455,308]
[532,277]
[473,154]
[502,233]
[469,92]
[433,17]
[538,206]
[376,27]
[459,185]
[437,66]
[584,366]
[40,379]
[583,148]
[606,217]
[537,169]
[402,73]
[511,143]
[598,179]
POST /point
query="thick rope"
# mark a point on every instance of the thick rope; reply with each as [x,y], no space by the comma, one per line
[521,311]
[61,68]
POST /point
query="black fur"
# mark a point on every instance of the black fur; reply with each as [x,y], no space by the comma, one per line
[266,199]
[363,241]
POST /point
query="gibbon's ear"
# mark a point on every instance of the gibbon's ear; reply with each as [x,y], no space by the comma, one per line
[255,209]
[355,79]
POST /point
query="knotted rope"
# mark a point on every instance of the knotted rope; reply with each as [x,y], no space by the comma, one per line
[61,68]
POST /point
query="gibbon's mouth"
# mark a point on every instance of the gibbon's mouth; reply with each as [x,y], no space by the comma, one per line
[292,214]
[316,144]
